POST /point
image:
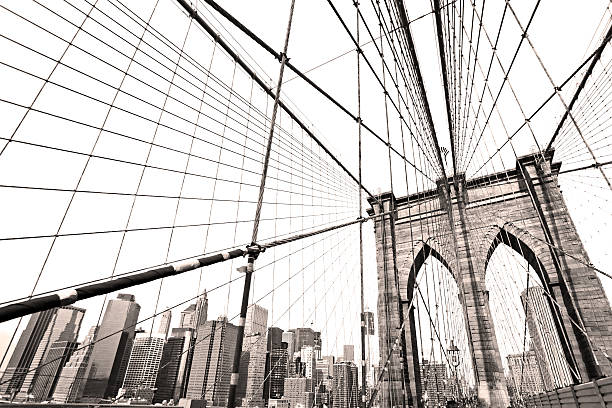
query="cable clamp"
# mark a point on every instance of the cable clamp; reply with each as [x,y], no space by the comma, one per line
[254,249]
[283,55]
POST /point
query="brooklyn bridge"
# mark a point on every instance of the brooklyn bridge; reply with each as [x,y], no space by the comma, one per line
[299,204]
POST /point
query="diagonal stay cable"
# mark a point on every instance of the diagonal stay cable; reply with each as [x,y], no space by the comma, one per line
[300,74]
[263,85]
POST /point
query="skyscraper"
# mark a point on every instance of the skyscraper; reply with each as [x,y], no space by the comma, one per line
[54,349]
[317,345]
[274,340]
[288,337]
[163,326]
[345,385]
[111,352]
[196,314]
[275,384]
[22,356]
[525,373]
[212,362]
[349,353]
[298,390]
[304,336]
[308,359]
[175,365]
[325,368]
[253,360]
[187,317]
[546,343]
[143,366]
[71,383]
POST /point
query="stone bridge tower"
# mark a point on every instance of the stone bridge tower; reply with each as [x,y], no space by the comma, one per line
[522,208]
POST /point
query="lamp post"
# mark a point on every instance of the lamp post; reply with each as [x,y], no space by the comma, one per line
[453,351]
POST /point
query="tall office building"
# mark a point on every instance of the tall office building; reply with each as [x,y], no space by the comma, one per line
[345,385]
[175,365]
[545,340]
[349,353]
[275,338]
[434,383]
[274,342]
[318,343]
[24,351]
[253,360]
[196,314]
[525,373]
[52,369]
[163,326]
[143,366]
[288,337]
[304,336]
[274,387]
[298,390]
[71,383]
[55,348]
[110,354]
[308,359]
[211,367]
[325,370]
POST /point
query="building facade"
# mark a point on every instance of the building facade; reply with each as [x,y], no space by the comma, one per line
[545,339]
[345,385]
[525,373]
[163,326]
[196,314]
[349,352]
[54,349]
[24,351]
[143,367]
[211,368]
[249,392]
[298,390]
[175,365]
[308,359]
[274,386]
[71,383]
[274,343]
[110,354]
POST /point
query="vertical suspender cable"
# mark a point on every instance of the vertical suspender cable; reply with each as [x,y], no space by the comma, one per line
[231,403]
[363,320]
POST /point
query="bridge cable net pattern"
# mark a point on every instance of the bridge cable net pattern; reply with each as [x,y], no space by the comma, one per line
[135,141]
[141,143]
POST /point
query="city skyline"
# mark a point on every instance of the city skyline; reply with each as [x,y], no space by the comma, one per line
[135,357]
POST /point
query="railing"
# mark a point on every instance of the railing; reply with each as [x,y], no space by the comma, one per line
[594,394]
